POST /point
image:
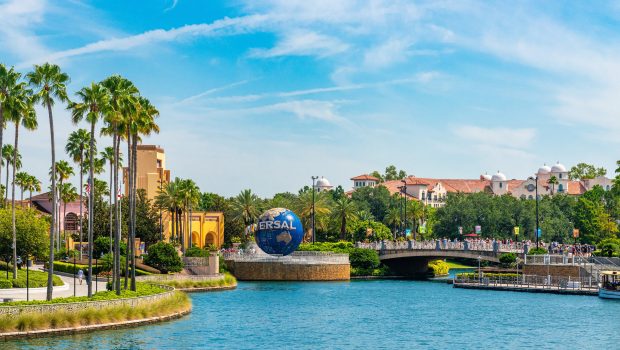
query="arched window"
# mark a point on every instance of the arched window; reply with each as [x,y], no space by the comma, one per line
[71,222]
[500,185]
[523,196]
[560,188]
[560,175]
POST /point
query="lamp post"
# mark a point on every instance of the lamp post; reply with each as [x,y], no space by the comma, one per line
[313,223]
[73,274]
[96,274]
[27,278]
[405,199]
[479,272]
[401,209]
[537,220]
[161,225]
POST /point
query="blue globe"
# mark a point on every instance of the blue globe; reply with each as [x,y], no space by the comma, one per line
[279,231]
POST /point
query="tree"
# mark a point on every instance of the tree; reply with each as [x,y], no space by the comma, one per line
[63,171]
[21,112]
[164,257]
[374,199]
[68,193]
[31,232]
[393,218]
[246,207]
[8,152]
[121,102]
[108,154]
[33,184]
[584,171]
[9,83]
[49,83]
[191,195]
[92,106]
[147,219]
[303,208]
[344,210]
[75,148]
[552,182]
[21,180]
[392,174]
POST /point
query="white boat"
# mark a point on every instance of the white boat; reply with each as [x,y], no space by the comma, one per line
[610,285]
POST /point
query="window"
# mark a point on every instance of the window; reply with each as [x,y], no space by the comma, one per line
[607,187]
[500,185]
[560,175]
[560,188]
[523,196]
[530,197]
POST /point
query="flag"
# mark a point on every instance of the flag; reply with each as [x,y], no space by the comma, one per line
[119,195]
[87,188]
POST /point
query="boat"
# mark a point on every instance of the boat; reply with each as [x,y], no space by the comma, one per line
[610,285]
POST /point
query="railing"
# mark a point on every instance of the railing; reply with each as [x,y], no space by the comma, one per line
[530,281]
[303,257]
[547,259]
[498,247]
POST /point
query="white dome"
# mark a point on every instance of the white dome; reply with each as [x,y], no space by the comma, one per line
[322,182]
[485,177]
[545,169]
[558,168]
[498,177]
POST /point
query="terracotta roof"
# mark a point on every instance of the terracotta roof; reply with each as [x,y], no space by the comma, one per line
[365,177]
[576,188]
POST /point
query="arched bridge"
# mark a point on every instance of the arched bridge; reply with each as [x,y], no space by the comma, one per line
[411,258]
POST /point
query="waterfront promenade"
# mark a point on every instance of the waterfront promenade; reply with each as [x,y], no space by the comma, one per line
[66,290]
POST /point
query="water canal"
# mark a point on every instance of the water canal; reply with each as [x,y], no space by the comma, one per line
[369,315]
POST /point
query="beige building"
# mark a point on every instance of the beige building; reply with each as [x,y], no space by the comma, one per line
[207,228]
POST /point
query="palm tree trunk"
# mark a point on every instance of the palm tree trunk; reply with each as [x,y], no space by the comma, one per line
[91,198]
[81,198]
[22,197]
[190,227]
[64,218]
[1,135]
[129,243]
[134,176]
[13,203]
[117,223]
[58,221]
[111,212]
[50,268]
[6,187]
[343,227]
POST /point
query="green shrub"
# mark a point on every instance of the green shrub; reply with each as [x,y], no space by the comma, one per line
[438,268]
[196,252]
[5,284]
[507,259]
[164,257]
[336,247]
[223,267]
[609,249]
[364,258]
[537,251]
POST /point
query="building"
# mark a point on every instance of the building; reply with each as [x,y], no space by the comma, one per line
[364,180]
[433,191]
[322,185]
[207,228]
[67,213]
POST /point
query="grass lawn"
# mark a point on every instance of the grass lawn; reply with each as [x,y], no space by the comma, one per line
[36,279]
[142,289]
[456,265]
[226,281]
[28,321]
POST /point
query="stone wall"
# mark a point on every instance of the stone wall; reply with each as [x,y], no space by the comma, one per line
[572,271]
[45,308]
[202,266]
[178,277]
[278,271]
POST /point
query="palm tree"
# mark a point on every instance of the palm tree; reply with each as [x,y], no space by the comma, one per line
[8,152]
[303,207]
[75,148]
[344,209]
[108,155]
[9,82]
[21,113]
[92,105]
[393,218]
[33,185]
[246,207]
[552,181]
[191,195]
[22,180]
[63,171]
[49,83]
[68,194]
[121,99]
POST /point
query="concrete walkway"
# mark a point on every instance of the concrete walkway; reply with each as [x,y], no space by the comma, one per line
[66,290]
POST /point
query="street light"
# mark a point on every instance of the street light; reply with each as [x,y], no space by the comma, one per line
[479,272]
[537,222]
[313,189]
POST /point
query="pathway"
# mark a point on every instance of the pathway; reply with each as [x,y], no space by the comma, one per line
[65,290]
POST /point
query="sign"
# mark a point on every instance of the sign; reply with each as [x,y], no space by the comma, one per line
[516,230]
[408,232]
[478,229]
[460,230]
[575,233]
[423,228]
[539,232]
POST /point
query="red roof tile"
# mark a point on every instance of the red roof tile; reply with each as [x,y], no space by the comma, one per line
[365,177]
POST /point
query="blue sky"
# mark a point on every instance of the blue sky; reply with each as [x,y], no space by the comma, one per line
[264,94]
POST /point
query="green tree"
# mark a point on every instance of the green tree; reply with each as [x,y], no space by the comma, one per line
[164,257]
[246,206]
[552,182]
[584,171]
[75,148]
[9,84]
[22,180]
[49,85]
[303,208]
[31,233]
[374,199]
[344,210]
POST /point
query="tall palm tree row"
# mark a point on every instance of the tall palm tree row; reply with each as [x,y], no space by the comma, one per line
[9,85]
[76,148]
[50,85]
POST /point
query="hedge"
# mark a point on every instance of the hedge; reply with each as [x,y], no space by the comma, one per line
[438,267]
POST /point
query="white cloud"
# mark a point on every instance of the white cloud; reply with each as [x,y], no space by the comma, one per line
[303,43]
[17,29]
[503,137]
[172,5]
[385,54]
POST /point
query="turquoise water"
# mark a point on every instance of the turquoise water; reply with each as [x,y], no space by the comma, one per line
[369,315]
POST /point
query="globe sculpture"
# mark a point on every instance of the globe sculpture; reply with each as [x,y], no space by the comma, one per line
[279,231]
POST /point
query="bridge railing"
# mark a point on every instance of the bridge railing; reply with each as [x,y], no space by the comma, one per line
[528,281]
[439,244]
